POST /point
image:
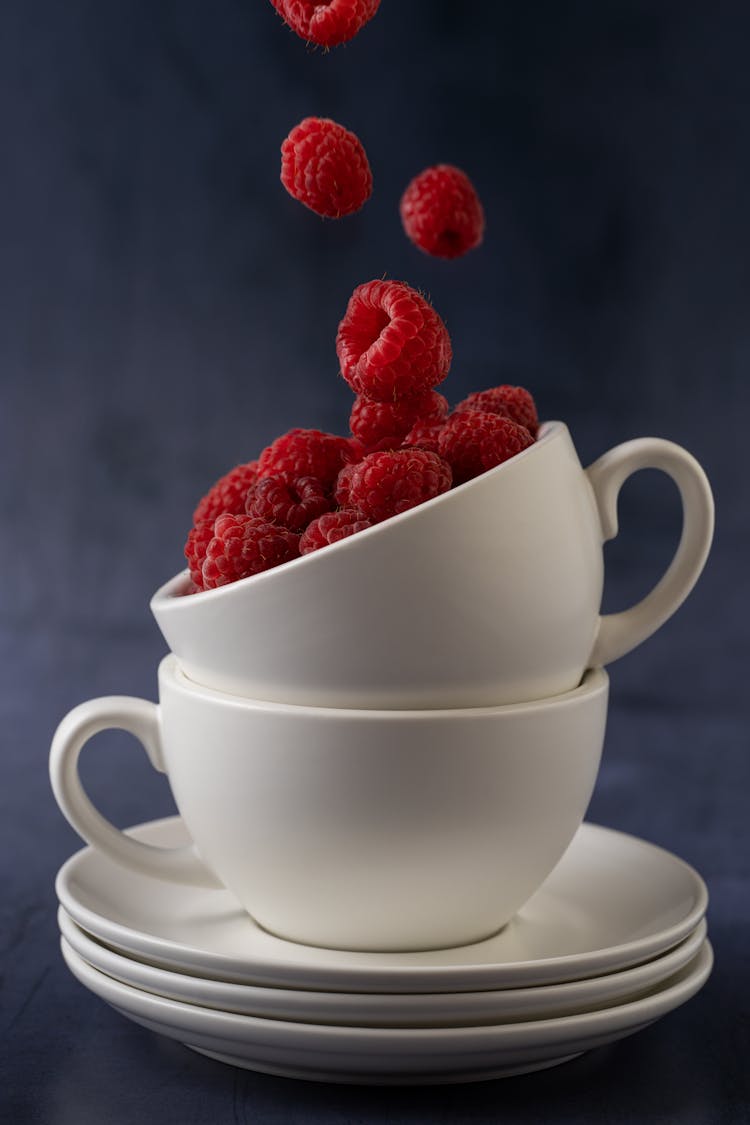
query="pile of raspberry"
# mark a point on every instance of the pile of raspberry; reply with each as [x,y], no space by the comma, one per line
[309,489]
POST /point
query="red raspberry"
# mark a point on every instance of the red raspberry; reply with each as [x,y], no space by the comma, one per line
[424,435]
[307,453]
[326,24]
[513,402]
[195,549]
[325,167]
[244,545]
[384,484]
[290,503]
[228,494]
[474,441]
[441,212]
[385,424]
[343,481]
[330,528]
[391,343]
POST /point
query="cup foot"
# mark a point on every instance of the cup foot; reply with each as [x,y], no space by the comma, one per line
[392,946]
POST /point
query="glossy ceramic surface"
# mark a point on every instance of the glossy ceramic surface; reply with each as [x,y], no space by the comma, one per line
[488,594]
[370,830]
[612,901]
[391,1055]
[440,1009]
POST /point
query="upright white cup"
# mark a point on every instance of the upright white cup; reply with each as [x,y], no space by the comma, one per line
[379,830]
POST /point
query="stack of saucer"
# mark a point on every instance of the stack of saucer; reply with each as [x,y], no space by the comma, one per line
[382,754]
[612,941]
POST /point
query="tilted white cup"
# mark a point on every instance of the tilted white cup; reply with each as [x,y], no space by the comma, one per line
[487,594]
[374,830]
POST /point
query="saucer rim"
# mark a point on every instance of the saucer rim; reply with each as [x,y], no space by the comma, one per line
[649,1008]
[417,1010]
[382,978]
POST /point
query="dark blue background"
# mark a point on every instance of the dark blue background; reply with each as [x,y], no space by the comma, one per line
[166,310]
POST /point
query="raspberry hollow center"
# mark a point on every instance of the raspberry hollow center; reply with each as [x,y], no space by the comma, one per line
[371,328]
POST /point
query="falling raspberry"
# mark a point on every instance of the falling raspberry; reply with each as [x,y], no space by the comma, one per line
[330,528]
[290,503]
[325,167]
[512,402]
[391,343]
[385,484]
[474,441]
[329,24]
[228,494]
[384,425]
[242,546]
[307,453]
[441,212]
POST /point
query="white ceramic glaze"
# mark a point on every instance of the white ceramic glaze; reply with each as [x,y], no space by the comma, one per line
[488,594]
[612,901]
[390,1055]
[377,830]
[437,1009]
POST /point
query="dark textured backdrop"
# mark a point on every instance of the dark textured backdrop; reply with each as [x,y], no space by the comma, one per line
[167,309]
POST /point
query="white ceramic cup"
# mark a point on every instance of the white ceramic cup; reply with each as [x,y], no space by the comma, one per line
[487,594]
[370,830]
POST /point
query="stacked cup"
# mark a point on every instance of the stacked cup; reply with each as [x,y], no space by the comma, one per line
[388,744]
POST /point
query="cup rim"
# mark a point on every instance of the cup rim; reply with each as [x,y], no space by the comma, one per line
[594,682]
[172,594]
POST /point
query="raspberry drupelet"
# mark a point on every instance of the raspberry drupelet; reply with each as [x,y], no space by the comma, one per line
[330,528]
[341,487]
[198,539]
[424,435]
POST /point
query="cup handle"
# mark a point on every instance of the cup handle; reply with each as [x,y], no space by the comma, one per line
[620,632]
[140,718]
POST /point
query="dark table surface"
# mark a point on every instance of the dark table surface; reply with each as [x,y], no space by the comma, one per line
[167,310]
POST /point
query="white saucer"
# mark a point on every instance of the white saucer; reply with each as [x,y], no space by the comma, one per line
[439,1009]
[612,901]
[385,1055]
